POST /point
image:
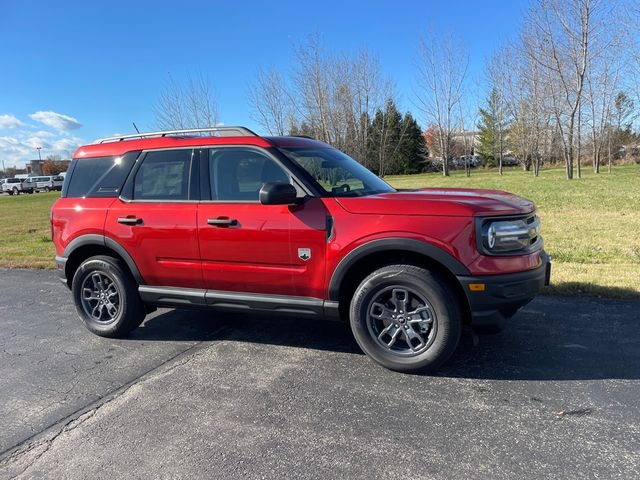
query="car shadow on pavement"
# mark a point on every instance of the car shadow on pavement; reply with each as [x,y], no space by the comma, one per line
[201,325]
[575,348]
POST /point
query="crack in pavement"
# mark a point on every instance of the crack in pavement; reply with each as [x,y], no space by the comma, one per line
[42,441]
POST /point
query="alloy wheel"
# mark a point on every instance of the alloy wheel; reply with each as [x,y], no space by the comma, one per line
[402,321]
[100,297]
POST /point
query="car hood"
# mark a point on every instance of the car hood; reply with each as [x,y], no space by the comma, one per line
[439,202]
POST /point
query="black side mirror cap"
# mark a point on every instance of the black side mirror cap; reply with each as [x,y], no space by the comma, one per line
[278,193]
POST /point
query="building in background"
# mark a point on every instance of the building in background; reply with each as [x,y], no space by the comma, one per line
[35,167]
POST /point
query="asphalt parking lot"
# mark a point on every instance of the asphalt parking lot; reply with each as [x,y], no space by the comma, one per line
[197,394]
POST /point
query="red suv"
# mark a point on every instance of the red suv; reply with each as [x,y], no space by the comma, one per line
[225,219]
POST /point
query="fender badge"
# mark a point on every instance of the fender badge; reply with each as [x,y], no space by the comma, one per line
[304,254]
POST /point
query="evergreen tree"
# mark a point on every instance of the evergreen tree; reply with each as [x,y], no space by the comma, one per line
[412,147]
[396,144]
[494,129]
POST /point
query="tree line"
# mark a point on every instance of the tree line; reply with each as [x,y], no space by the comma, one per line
[564,90]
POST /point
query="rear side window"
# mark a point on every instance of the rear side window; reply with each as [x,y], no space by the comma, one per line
[99,176]
[163,175]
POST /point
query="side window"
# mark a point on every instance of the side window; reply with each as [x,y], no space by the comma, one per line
[163,175]
[86,173]
[98,176]
[237,174]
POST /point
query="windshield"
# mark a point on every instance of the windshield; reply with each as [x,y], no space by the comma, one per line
[338,174]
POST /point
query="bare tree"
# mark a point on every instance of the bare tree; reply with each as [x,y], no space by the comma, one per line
[332,97]
[468,130]
[529,108]
[577,45]
[338,95]
[442,70]
[186,105]
[602,84]
[558,36]
[272,103]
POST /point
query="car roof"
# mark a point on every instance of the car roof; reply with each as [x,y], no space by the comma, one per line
[181,138]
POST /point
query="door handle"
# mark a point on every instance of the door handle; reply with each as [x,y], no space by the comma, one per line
[222,222]
[130,220]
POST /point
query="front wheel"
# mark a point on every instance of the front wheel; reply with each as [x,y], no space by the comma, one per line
[106,297]
[406,318]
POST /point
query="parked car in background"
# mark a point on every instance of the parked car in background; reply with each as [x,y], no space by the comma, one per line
[472,160]
[43,184]
[12,186]
[509,161]
[28,185]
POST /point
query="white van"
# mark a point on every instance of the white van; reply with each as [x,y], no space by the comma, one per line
[43,183]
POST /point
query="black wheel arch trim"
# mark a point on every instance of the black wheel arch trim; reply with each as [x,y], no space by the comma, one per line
[103,241]
[407,244]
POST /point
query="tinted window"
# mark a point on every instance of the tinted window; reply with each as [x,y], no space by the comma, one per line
[237,174]
[163,176]
[98,176]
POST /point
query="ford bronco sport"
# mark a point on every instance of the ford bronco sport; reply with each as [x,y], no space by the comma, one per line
[225,219]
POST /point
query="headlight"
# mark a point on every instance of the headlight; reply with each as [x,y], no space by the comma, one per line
[509,236]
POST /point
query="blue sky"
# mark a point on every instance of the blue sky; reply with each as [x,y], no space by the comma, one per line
[72,71]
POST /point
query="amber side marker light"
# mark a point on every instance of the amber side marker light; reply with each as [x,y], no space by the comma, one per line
[477,287]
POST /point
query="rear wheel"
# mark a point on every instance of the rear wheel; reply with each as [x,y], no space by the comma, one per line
[106,297]
[47,189]
[406,318]
[16,191]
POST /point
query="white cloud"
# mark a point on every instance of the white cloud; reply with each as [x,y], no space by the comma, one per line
[56,120]
[21,146]
[9,121]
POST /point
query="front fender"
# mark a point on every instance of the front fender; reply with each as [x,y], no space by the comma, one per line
[395,243]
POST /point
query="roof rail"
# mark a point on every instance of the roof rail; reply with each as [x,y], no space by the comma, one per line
[220,131]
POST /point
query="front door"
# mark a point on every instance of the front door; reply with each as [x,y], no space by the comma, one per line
[157,226]
[246,246]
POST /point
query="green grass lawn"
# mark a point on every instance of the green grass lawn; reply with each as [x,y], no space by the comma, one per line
[591,226]
[25,232]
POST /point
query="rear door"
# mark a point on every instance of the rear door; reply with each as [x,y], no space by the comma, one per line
[155,218]
[249,247]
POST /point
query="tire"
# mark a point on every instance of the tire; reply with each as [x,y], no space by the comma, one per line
[47,189]
[423,341]
[10,192]
[16,191]
[96,280]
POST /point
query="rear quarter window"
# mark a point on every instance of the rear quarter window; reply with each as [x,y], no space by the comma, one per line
[98,176]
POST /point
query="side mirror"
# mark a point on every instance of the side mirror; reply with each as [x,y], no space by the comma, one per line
[277,193]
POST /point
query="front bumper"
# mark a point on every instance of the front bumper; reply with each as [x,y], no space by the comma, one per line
[496,298]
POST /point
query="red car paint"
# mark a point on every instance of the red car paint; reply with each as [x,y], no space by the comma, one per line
[176,247]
